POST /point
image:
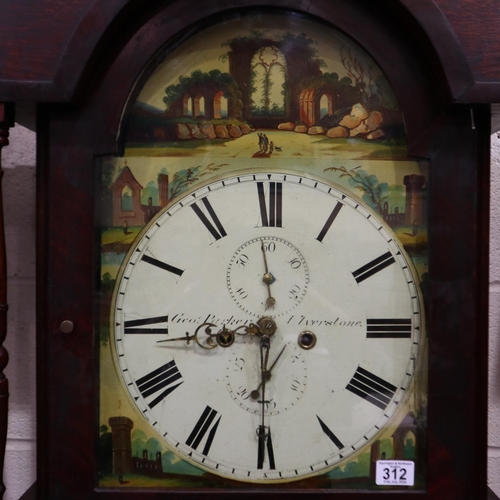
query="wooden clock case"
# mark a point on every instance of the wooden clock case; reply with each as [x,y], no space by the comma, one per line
[447,116]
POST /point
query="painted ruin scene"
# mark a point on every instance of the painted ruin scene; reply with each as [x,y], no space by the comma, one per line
[266,86]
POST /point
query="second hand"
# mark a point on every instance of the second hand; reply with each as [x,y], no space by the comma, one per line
[268,279]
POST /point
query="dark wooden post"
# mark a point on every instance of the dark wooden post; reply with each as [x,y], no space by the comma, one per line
[6,121]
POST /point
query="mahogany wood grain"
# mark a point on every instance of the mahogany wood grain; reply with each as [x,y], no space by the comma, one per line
[48,45]
[477,29]
[457,313]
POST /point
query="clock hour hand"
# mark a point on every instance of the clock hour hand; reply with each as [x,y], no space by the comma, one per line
[267,375]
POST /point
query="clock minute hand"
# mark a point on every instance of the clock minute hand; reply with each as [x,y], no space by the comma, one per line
[223,338]
[262,430]
[186,339]
[255,394]
[209,343]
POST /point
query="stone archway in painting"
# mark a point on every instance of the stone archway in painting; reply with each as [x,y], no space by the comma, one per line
[306,107]
[126,197]
[408,427]
[187,106]
[199,106]
[325,105]
[409,446]
[220,106]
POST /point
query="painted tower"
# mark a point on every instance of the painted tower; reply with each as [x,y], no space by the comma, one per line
[374,456]
[122,444]
[162,190]
[414,203]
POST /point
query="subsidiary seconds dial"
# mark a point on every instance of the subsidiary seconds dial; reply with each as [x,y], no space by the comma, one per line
[267,275]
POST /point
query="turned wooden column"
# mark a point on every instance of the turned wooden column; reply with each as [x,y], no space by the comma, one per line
[6,121]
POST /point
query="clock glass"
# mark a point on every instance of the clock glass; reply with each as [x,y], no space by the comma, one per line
[262,267]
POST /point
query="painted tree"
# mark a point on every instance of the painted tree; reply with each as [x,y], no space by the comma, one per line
[104,460]
[183,179]
[360,71]
[268,59]
[374,192]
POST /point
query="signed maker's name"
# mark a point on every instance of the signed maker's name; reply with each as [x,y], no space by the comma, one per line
[296,320]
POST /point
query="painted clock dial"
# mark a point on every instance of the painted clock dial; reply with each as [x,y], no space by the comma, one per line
[308,259]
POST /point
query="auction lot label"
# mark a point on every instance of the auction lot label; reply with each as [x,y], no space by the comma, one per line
[395,473]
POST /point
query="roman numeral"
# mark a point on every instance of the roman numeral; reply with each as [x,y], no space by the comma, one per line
[333,438]
[373,267]
[138,325]
[368,386]
[329,221]
[265,443]
[216,231]
[388,328]
[161,378]
[162,265]
[203,426]
[273,217]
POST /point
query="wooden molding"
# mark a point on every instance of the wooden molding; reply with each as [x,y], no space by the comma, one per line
[6,121]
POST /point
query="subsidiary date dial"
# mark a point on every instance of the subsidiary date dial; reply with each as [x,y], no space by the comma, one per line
[286,379]
[267,276]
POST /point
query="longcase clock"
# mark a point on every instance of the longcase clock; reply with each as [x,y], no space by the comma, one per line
[262,259]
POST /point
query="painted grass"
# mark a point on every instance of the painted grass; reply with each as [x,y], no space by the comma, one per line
[116,235]
[193,147]
[292,144]
[136,481]
[405,234]
[375,150]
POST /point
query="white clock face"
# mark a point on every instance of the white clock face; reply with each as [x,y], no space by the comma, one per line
[322,270]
